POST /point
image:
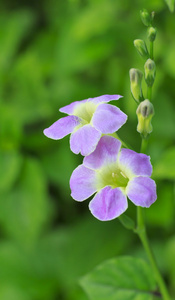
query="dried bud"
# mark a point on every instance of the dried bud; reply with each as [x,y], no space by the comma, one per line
[136,84]
[150,72]
[141,48]
[146,17]
[145,112]
[152,34]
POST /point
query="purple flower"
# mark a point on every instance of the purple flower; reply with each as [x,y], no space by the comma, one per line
[87,121]
[113,174]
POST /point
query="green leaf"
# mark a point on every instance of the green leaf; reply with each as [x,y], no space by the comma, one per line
[170,4]
[10,127]
[24,209]
[14,27]
[10,162]
[170,262]
[25,276]
[11,292]
[82,239]
[60,158]
[164,167]
[123,278]
[162,212]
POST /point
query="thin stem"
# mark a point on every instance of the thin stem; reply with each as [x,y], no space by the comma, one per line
[149,93]
[141,231]
[149,89]
[144,145]
[151,50]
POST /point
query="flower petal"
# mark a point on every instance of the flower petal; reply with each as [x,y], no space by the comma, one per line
[108,204]
[104,98]
[69,109]
[108,118]
[105,153]
[133,163]
[82,183]
[84,140]
[142,191]
[62,127]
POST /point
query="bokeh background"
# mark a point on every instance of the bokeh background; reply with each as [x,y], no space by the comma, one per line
[52,53]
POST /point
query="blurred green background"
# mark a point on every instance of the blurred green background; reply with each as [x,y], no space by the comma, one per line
[51,54]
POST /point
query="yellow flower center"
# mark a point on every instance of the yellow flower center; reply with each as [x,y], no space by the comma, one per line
[111,176]
[85,111]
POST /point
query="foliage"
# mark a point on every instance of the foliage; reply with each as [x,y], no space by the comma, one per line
[53,53]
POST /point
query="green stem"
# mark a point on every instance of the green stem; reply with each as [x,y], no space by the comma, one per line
[151,50]
[149,93]
[141,231]
[149,89]
[144,145]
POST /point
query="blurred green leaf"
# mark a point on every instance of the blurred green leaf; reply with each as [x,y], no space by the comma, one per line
[169,63]
[170,4]
[10,127]
[94,19]
[123,278]
[169,258]
[164,167]
[11,292]
[23,277]
[74,250]
[162,212]
[60,164]
[163,121]
[13,28]
[10,162]
[30,96]
[25,209]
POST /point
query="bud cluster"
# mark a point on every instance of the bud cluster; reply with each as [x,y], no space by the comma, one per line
[145,110]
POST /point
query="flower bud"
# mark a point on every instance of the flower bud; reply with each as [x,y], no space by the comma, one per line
[141,48]
[145,112]
[136,84]
[145,17]
[152,34]
[150,72]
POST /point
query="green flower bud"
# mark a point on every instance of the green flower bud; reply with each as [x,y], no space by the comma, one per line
[150,72]
[145,112]
[141,48]
[152,34]
[136,84]
[145,17]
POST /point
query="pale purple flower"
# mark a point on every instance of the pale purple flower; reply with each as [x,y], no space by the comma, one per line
[113,174]
[87,121]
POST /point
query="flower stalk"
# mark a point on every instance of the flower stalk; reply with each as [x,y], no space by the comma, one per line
[141,231]
[141,228]
[151,49]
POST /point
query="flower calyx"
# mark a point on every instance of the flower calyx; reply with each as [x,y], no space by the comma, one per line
[150,72]
[136,84]
[141,48]
[145,112]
